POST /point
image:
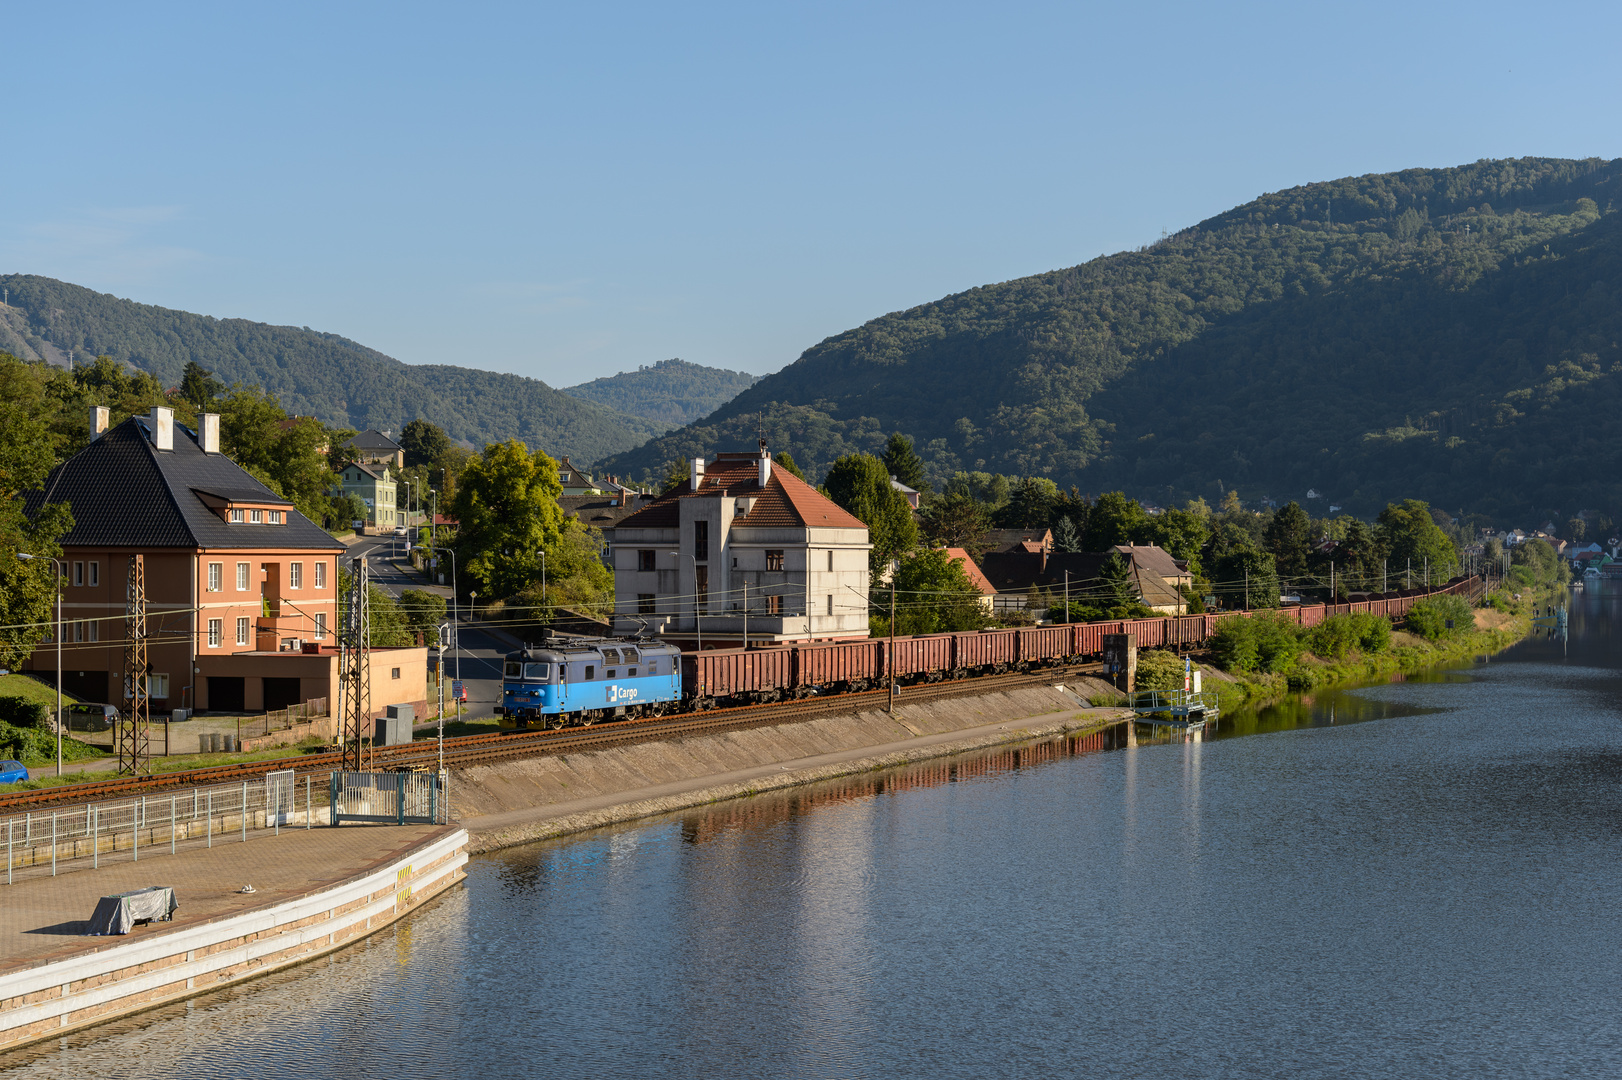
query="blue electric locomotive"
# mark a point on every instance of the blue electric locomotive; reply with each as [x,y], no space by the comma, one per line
[579,680]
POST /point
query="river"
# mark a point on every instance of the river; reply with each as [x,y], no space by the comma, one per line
[1416,879]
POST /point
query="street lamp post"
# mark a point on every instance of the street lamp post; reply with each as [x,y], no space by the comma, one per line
[61,569]
[698,625]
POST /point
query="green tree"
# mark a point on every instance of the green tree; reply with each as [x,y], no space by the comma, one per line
[424,612]
[1415,541]
[956,521]
[27,586]
[861,484]
[1066,537]
[933,595]
[1030,504]
[387,624]
[507,507]
[424,443]
[785,461]
[198,387]
[1119,590]
[1289,538]
[904,463]
[288,457]
[1115,519]
[677,472]
[1181,533]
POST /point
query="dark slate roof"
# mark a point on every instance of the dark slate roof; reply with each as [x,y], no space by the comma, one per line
[373,440]
[124,492]
[1017,571]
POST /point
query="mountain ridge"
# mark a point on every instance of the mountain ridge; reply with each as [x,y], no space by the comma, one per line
[671,393]
[1076,373]
[313,373]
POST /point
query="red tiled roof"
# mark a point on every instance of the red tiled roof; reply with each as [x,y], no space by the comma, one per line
[785,502]
[971,571]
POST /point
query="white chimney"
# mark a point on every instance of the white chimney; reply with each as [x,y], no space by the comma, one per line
[765,468]
[163,427]
[208,432]
[698,474]
[99,417]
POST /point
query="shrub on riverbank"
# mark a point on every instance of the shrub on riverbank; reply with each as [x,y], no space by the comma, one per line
[1341,634]
[1267,643]
[1159,670]
[1436,617]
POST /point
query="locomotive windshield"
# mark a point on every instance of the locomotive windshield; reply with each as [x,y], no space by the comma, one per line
[515,669]
[537,672]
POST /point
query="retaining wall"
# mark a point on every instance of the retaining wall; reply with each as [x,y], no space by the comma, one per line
[537,798]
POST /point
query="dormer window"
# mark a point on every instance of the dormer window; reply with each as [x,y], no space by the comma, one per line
[236,516]
[275,517]
[256,517]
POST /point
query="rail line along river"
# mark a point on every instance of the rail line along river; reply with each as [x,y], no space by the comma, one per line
[1413,879]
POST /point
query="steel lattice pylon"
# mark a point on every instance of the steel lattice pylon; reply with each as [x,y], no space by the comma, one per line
[134,732]
[355,676]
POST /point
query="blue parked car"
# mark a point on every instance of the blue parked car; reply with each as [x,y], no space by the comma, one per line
[12,771]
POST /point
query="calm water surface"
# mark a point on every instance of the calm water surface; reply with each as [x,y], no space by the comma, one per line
[1411,880]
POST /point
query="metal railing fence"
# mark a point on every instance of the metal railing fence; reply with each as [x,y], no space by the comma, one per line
[48,842]
[251,727]
[396,798]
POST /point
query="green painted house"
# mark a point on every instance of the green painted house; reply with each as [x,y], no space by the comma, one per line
[376,486]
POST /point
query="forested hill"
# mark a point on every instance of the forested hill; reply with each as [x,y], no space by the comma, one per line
[668,394]
[313,374]
[1449,334]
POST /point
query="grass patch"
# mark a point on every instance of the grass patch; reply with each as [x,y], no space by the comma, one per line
[454,728]
[179,763]
[31,689]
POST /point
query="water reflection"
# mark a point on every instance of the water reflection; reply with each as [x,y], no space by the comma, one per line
[1410,879]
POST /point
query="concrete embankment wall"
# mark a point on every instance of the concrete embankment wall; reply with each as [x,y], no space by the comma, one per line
[536,798]
[111,980]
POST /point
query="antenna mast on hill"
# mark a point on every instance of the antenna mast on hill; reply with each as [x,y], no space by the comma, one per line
[134,733]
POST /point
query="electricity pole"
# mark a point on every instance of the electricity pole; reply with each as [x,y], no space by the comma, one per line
[133,736]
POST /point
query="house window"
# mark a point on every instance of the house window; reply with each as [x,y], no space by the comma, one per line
[295,576]
[78,573]
[236,516]
[320,623]
[830,562]
[256,517]
[774,605]
[216,571]
[394,673]
[830,604]
[645,560]
[95,573]
[320,575]
[242,577]
[215,629]
[275,517]
[95,630]
[701,541]
[644,603]
[157,686]
[774,560]
[702,582]
[78,631]
[242,631]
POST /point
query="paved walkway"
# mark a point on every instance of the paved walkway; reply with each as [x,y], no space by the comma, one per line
[41,918]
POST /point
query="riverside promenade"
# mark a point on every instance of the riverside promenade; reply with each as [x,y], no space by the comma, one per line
[313,891]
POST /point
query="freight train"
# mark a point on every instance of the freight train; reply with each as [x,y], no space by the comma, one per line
[579,680]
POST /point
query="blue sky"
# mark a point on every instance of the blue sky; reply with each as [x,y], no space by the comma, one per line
[570,191]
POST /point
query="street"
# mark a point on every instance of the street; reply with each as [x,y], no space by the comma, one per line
[478,659]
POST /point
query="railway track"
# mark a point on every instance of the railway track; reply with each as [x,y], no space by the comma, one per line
[468,750]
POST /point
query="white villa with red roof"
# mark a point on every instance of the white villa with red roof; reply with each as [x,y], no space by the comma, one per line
[742,548]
